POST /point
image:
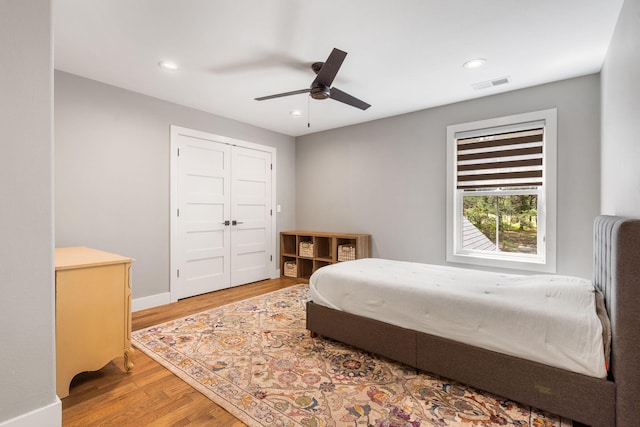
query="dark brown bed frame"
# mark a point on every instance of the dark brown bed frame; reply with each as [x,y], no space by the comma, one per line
[597,402]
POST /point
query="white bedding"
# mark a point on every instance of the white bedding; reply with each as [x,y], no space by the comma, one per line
[545,318]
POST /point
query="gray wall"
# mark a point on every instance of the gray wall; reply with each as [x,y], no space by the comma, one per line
[387,177]
[27,354]
[112,172]
[621,116]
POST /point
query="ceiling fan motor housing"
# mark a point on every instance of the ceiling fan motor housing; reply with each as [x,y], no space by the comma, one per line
[320,92]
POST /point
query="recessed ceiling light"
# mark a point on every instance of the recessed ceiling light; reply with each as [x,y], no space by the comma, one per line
[474,63]
[295,113]
[168,65]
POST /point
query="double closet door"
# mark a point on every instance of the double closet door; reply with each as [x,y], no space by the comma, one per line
[222,228]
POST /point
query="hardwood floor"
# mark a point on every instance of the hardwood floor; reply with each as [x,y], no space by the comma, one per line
[150,395]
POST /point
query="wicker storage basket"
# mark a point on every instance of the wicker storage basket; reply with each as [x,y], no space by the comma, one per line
[346,252]
[306,249]
[290,269]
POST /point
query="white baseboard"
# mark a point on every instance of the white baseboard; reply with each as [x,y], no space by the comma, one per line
[165,298]
[47,416]
[151,301]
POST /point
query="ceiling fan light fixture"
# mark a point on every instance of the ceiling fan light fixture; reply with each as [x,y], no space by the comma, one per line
[474,63]
[168,65]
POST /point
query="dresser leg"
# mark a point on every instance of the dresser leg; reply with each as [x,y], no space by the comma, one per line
[128,359]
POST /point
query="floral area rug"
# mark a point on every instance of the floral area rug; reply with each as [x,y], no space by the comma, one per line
[256,359]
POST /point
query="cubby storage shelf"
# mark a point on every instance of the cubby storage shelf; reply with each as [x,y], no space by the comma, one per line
[318,250]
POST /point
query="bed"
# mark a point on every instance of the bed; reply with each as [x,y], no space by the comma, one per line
[586,399]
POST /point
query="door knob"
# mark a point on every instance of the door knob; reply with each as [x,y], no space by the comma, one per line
[234,222]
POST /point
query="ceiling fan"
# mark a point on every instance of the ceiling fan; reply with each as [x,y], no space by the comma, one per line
[321,86]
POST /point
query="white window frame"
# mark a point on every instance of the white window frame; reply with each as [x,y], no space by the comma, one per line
[545,259]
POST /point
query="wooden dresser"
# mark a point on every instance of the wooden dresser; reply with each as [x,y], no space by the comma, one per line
[93,312]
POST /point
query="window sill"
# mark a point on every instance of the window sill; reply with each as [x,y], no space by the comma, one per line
[510,263]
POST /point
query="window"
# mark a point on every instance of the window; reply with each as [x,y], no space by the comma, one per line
[501,192]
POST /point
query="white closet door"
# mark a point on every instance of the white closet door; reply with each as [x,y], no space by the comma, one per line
[250,214]
[202,250]
[222,228]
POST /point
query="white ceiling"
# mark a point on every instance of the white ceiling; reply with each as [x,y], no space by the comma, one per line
[403,55]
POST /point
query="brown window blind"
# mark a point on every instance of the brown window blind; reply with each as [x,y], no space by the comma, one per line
[511,159]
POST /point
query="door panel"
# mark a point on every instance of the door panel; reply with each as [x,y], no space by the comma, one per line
[203,203]
[250,206]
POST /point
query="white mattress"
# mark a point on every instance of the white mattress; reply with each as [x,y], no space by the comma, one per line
[545,318]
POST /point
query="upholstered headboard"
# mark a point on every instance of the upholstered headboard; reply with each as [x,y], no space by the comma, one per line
[616,272]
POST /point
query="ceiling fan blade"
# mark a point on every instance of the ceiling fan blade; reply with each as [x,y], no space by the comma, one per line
[341,96]
[280,95]
[330,68]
